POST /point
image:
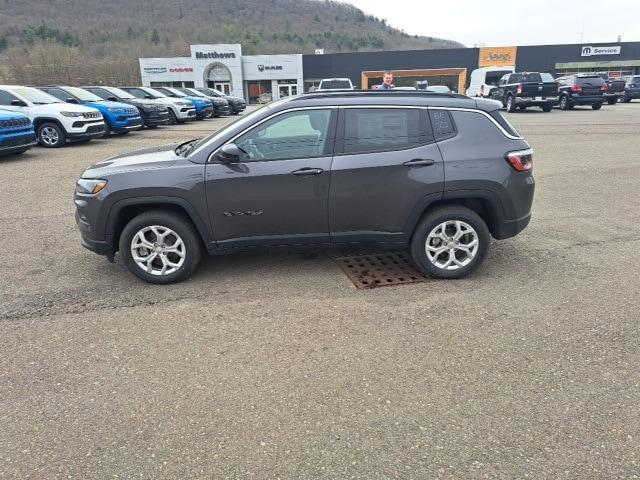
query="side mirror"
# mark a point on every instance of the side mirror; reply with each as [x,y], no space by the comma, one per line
[112,99]
[71,100]
[229,153]
[18,103]
[148,97]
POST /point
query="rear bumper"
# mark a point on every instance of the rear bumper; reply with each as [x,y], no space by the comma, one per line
[510,228]
[534,101]
[590,100]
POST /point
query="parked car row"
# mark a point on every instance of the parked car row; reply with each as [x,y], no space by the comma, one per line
[520,90]
[53,115]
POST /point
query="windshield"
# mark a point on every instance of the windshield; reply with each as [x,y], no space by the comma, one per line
[172,92]
[247,119]
[335,84]
[154,92]
[35,96]
[82,94]
[119,93]
[193,92]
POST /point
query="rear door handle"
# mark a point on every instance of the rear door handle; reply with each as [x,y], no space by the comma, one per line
[419,162]
[307,171]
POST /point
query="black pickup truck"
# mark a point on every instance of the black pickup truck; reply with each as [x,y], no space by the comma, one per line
[615,88]
[525,89]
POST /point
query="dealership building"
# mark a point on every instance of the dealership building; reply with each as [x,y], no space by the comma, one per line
[261,78]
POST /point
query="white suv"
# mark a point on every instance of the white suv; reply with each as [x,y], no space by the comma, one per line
[180,110]
[54,121]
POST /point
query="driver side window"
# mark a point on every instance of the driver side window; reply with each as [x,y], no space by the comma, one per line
[299,134]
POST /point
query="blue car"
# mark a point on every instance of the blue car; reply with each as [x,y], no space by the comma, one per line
[118,117]
[204,107]
[16,133]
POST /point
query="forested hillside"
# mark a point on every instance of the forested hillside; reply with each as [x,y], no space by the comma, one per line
[78,41]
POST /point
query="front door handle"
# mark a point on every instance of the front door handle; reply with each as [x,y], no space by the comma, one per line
[307,171]
[419,162]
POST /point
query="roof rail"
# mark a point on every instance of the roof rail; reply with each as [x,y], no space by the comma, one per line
[385,93]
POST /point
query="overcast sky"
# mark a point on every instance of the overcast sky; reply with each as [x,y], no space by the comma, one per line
[512,22]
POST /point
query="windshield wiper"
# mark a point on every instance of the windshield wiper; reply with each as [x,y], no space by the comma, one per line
[184,148]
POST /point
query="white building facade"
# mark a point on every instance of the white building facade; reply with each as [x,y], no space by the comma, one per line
[257,78]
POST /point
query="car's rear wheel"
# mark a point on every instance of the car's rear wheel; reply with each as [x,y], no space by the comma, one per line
[511,104]
[160,247]
[564,103]
[596,106]
[625,99]
[450,242]
[547,107]
[612,101]
[51,135]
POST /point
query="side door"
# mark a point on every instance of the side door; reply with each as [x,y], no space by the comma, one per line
[277,190]
[386,167]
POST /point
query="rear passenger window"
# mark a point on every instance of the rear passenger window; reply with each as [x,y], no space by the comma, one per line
[442,124]
[384,129]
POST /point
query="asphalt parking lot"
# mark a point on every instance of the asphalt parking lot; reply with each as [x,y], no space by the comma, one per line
[272,365]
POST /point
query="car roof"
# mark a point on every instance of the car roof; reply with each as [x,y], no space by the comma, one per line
[388,97]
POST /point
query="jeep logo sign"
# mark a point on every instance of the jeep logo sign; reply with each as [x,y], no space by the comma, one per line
[588,50]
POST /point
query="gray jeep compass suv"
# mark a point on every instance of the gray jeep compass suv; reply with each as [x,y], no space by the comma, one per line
[439,174]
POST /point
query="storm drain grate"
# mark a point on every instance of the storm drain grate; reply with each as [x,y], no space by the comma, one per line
[380,269]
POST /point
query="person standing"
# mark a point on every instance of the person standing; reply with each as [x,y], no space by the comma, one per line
[387,81]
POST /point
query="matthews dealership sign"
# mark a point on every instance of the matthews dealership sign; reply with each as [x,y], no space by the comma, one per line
[205,55]
[588,51]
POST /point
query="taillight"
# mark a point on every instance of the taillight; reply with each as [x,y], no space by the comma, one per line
[519,89]
[576,89]
[604,87]
[521,161]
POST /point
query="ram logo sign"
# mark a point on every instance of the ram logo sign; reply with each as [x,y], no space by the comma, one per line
[588,50]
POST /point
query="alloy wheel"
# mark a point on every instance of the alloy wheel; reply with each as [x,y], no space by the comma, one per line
[158,250]
[49,136]
[452,245]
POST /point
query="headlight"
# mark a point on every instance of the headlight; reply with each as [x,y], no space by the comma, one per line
[72,114]
[90,185]
[116,110]
[185,104]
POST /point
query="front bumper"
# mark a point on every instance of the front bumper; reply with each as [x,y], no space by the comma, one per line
[221,110]
[156,118]
[186,113]
[206,112]
[18,141]
[127,124]
[93,131]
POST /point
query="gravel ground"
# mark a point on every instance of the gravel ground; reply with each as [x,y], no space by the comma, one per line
[272,365]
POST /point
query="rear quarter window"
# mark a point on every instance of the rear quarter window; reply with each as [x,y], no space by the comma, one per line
[504,123]
[442,124]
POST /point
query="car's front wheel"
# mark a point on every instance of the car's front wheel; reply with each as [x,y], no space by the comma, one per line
[450,242]
[51,135]
[160,247]
[596,106]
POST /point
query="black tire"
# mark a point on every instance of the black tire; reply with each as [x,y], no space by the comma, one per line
[151,127]
[511,104]
[564,103]
[596,106]
[19,152]
[625,99]
[107,131]
[46,138]
[181,226]
[612,101]
[173,120]
[547,107]
[430,222]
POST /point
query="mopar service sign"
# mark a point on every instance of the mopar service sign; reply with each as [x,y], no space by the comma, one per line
[262,68]
[588,50]
[155,70]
